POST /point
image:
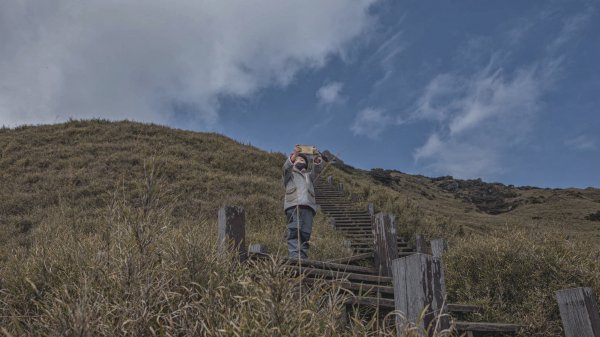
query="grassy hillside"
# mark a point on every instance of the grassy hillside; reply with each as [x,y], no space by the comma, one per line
[77,169]
[101,222]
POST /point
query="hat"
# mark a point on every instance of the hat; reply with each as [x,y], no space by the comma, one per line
[303,156]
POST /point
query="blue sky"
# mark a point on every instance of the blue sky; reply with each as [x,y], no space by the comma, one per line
[507,91]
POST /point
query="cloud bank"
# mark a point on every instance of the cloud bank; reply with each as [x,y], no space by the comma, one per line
[151,60]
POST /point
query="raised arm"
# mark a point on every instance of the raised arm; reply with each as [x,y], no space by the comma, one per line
[288,165]
[317,167]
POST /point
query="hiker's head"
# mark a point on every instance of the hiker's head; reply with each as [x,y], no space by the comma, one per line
[301,161]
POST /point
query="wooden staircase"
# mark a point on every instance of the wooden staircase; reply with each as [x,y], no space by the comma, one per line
[355,224]
[370,290]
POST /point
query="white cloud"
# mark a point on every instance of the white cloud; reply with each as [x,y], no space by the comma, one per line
[330,93]
[582,143]
[370,122]
[144,59]
[458,158]
[480,117]
[570,28]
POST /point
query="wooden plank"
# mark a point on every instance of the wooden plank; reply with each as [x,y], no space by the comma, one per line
[462,326]
[353,258]
[464,308]
[330,266]
[376,302]
[384,243]
[232,230]
[356,287]
[367,250]
[340,275]
[388,303]
[439,247]
[418,283]
[579,312]
[361,240]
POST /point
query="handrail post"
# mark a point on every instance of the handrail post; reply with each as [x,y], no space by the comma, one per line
[578,312]
[232,231]
[385,245]
[418,284]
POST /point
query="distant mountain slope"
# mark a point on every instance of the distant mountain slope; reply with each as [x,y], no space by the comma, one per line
[477,205]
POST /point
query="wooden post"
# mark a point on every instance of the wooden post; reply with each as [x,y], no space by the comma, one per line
[330,180]
[385,243]
[439,247]
[232,231]
[371,209]
[578,312]
[332,223]
[341,187]
[418,283]
[420,245]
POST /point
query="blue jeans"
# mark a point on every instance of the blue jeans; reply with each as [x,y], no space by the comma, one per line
[299,224]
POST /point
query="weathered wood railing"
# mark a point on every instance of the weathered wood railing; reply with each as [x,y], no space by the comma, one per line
[416,282]
[232,231]
[384,243]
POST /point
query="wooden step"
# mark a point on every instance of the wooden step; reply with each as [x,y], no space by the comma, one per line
[330,266]
[348,210]
[340,275]
[350,217]
[370,250]
[462,326]
[388,303]
[363,289]
[464,308]
[360,225]
[353,258]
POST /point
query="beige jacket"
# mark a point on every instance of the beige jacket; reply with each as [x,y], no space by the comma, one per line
[299,188]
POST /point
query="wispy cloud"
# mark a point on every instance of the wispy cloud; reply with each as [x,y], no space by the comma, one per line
[386,53]
[582,143]
[480,118]
[570,29]
[330,93]
[144,60]
[370,122]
